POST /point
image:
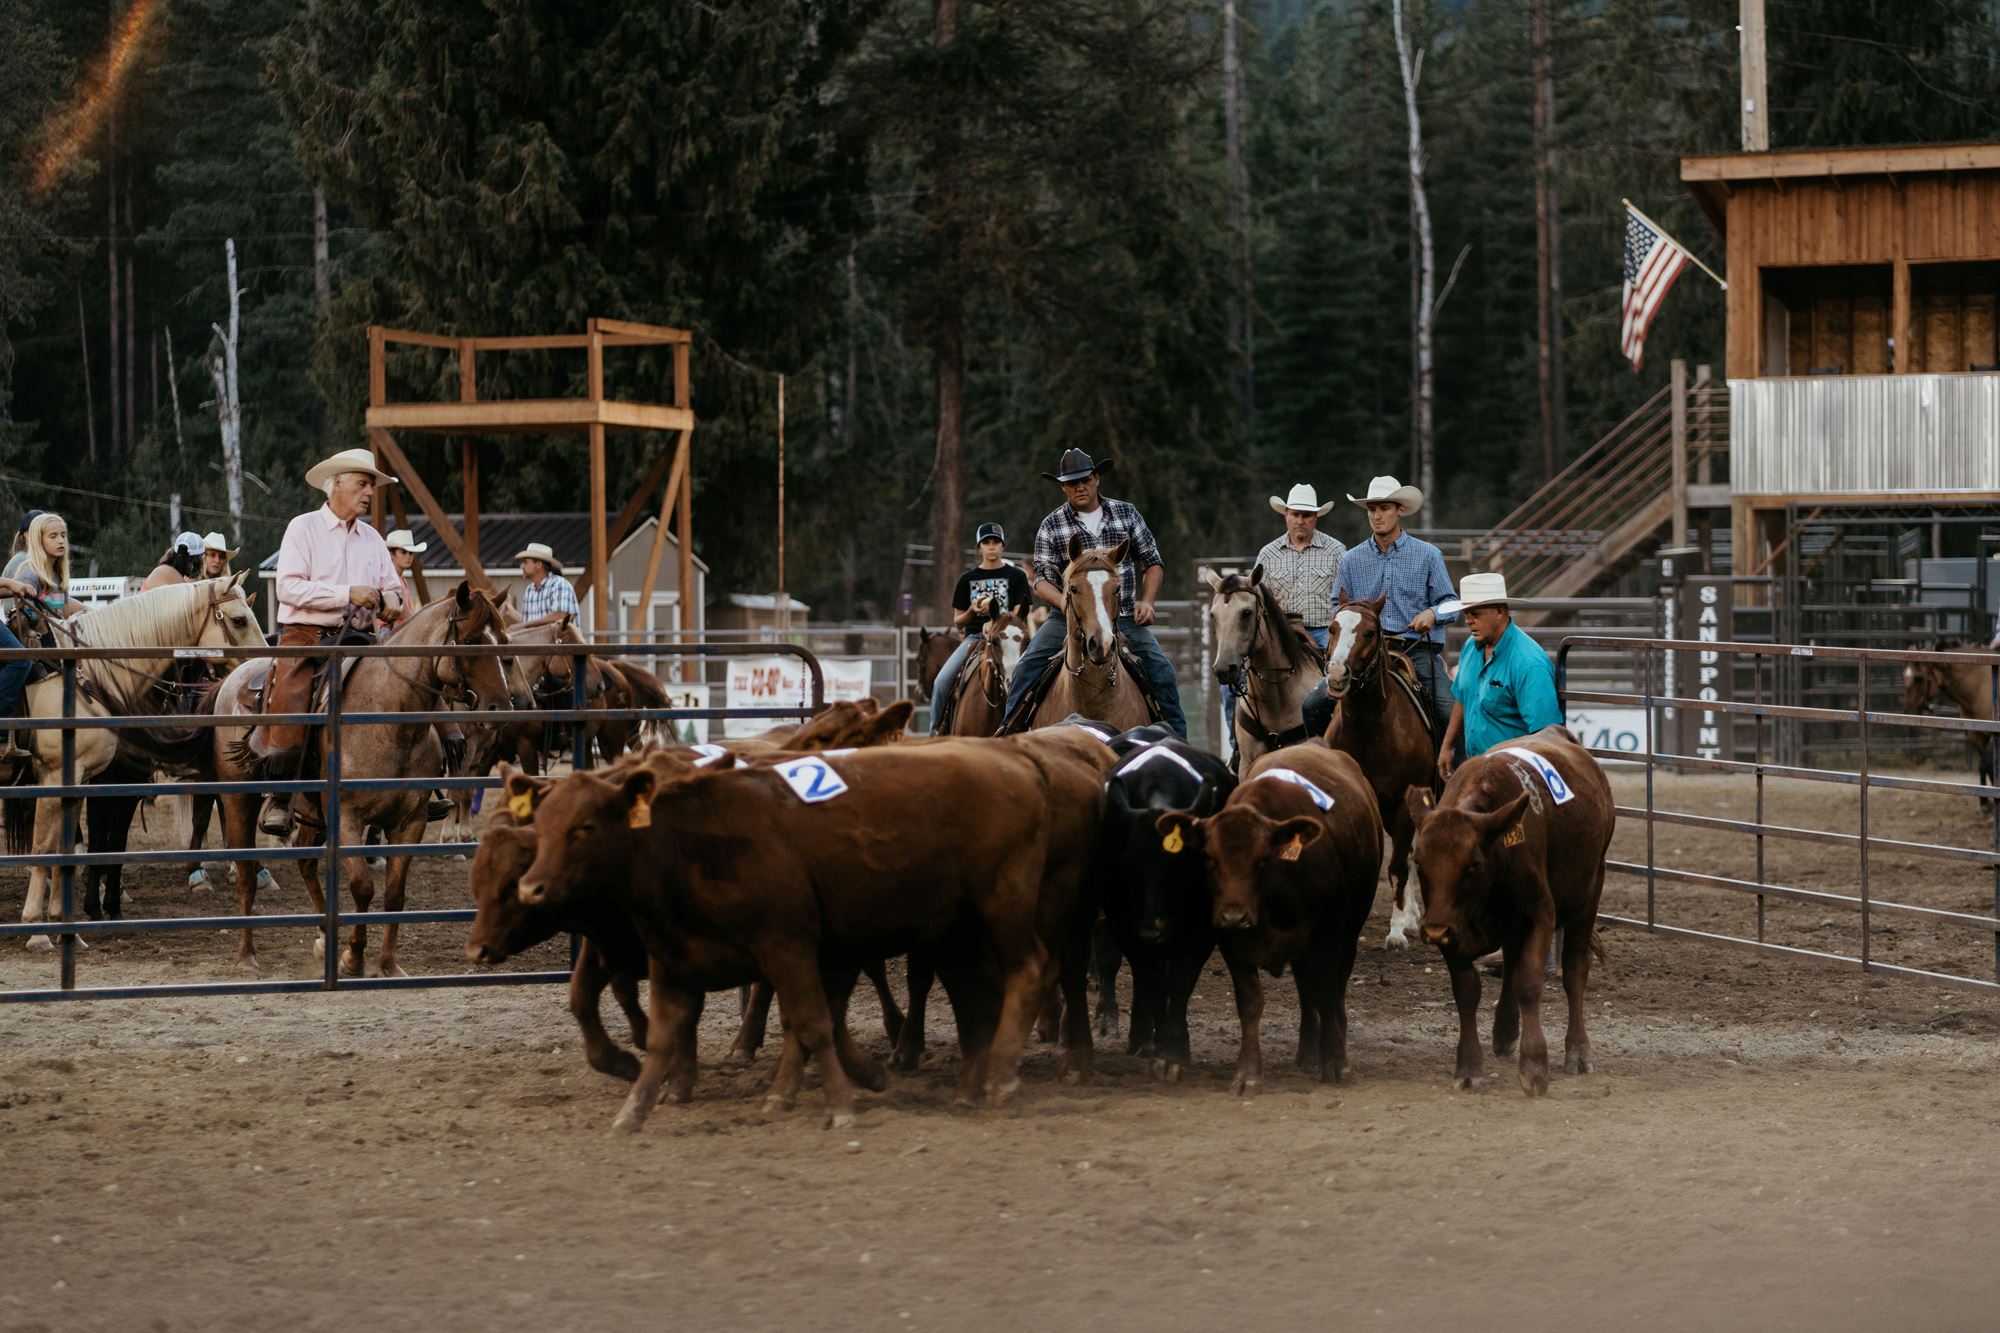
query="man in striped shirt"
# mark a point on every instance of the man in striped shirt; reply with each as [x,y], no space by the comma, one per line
[546,592]
[1101,523]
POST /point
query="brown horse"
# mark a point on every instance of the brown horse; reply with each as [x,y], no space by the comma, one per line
[371,685]
[933,651]
[1379,721]
[980,701]
[1095,681]
[1969,684]
[1277,663]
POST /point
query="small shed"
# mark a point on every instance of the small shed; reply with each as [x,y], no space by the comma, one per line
[568,536]
[757,611]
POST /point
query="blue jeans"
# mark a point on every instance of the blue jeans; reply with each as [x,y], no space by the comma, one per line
[12,675]
[1229,700]
[947,676]
[1048,644]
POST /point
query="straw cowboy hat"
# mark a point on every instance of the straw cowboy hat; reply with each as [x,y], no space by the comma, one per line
[1482,590]
[1304,499]
[347,460]
[215,541]
[402,539]
[1076,465]
[539,551]
[1388,488]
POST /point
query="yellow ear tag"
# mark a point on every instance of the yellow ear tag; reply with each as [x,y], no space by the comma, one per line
[642,813]
[1427,800]
[1515,837]
[1292,849]
[521,804]
[1173,842]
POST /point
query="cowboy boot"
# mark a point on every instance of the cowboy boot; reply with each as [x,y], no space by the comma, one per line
[274,817]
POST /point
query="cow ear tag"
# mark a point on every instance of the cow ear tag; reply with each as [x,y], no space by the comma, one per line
[1427,800]
[641,815]
[1292,849]
[1515,837]
[521,804]
[1173,844]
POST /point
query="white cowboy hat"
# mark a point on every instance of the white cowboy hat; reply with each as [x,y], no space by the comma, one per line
[347,460]
[1388,488]
[402,539]
[1303,498]
[538,551]
[215,541]
[1482,590]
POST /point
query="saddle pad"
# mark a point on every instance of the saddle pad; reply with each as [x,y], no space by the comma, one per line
[1312,789]
[1550,778]
[811,779]
[1152,753]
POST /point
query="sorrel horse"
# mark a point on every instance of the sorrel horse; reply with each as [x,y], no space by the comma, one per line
[980,701]
[1378,720]
[210,613]
[1269,663]
[1968,684]
[388,750]
[933,651]
[1094,680]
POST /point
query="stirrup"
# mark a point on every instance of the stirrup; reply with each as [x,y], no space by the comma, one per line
[275,819]
[438,807]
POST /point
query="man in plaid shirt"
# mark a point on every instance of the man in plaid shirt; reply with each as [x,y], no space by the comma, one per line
[1101,523]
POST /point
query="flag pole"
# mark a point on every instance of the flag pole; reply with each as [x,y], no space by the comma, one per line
[1692,258]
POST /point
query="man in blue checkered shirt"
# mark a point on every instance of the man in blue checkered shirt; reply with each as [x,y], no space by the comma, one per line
[1101,523]
[546,592]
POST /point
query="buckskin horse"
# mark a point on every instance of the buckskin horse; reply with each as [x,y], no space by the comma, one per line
[210,613]
[1969,684]
[1092,677]
[1269,664]
[390,750]
[979,703]
[1379,720]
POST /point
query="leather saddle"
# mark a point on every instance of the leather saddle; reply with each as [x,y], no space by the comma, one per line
[1024,714]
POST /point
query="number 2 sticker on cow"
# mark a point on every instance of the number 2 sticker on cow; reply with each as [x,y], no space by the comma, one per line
[811,779]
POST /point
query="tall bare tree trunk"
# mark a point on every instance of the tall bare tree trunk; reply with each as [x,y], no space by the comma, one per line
[180,452]
[1242,306]
[1424,312]
[89,398]
[1548,242]
[228,404]
[131,322]
[948,345]
[111,255]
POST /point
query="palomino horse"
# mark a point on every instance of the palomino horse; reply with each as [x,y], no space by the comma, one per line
[1094,681]
[980,701]
[410,750]
[1379,721]
[1260,653]
[211,613]
[1969,684]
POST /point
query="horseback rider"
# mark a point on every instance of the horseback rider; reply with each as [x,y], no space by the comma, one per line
[181,562]
[334,570]
[404,548]
[216,555]
[1409,573]
[1299,567]
[1102,523]
[37,578]
[991,588]
[1505,689]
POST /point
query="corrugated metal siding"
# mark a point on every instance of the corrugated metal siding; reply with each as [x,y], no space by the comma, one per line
[1865,433]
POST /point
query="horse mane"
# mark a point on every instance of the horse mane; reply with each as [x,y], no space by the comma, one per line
[157,618]
[1288,638]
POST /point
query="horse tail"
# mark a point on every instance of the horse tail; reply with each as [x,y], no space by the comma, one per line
[20,814]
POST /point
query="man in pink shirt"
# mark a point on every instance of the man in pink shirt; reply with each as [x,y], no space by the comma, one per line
[333,570]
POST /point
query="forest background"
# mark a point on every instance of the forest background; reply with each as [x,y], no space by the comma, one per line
[970,233]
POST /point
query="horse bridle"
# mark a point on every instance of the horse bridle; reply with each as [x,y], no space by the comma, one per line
[1069,594]
[1363,679]
[452,689]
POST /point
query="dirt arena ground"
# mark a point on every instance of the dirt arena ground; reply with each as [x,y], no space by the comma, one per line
[1767,1142]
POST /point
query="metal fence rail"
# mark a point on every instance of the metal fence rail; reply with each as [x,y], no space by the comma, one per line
[1768,725]
[330,785]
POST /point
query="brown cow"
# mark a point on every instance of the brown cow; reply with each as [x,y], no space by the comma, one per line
[1292,859]
[1506,858]
[789,870]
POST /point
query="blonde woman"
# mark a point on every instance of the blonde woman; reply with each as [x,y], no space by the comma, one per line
[44,579]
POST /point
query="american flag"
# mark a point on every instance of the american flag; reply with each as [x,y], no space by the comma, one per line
[1652,262]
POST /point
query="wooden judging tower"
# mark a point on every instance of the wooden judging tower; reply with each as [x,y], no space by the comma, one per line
[592,415]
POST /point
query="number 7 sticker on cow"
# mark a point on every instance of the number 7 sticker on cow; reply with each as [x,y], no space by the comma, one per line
[811,779]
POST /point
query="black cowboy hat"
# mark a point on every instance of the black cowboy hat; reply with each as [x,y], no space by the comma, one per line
[1076,465]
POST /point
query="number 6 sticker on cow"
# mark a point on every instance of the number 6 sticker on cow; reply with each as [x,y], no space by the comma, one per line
[811,779]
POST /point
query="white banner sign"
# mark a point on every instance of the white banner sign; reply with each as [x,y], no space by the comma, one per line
[778,682]
[1620,729]
[683,695]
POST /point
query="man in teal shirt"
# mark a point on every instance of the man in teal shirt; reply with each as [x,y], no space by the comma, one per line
[1505,687]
